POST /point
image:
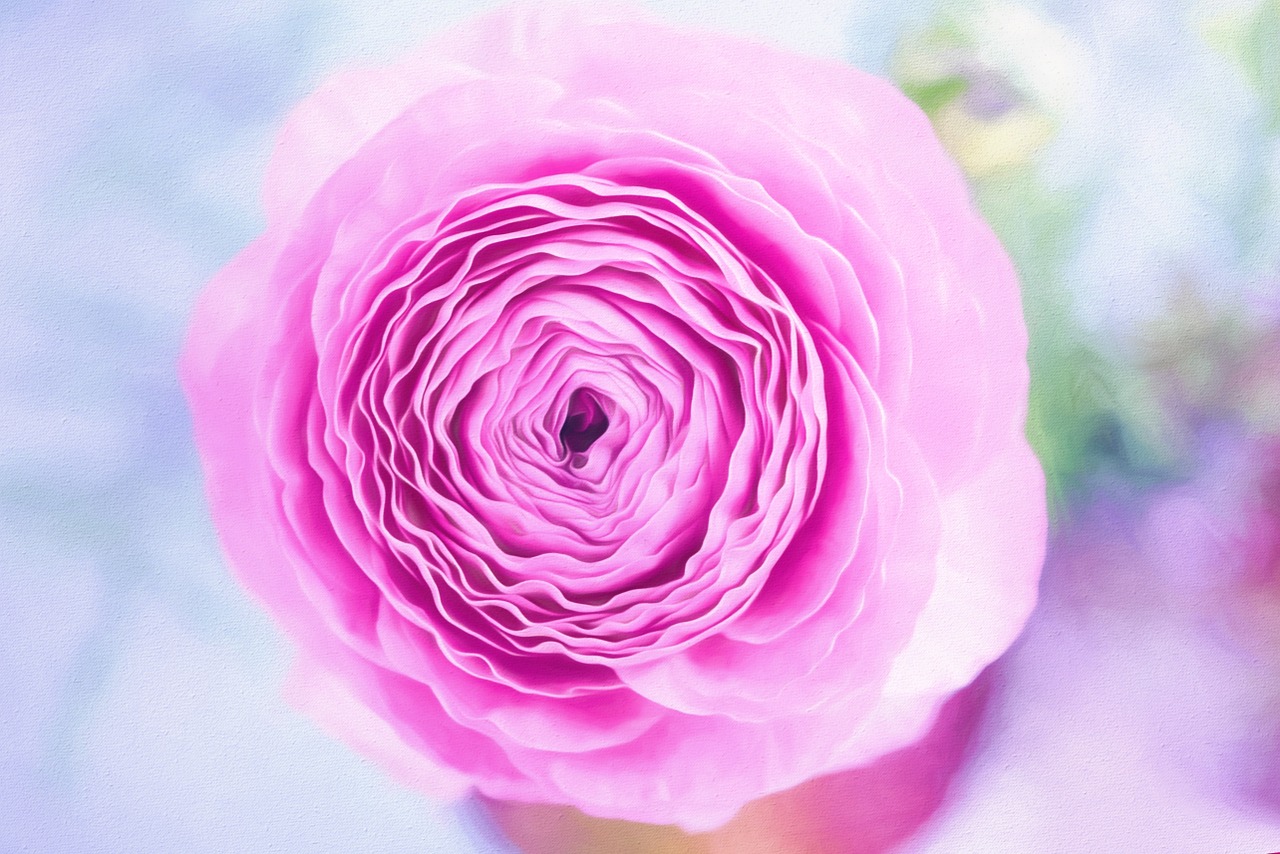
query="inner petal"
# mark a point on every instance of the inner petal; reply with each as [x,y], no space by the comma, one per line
[585,421]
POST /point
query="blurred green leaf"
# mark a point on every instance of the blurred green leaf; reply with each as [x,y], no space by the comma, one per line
[1085,411]
[933,95]
[1252,40]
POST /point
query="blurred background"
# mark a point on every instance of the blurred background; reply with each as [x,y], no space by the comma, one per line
[1128,155]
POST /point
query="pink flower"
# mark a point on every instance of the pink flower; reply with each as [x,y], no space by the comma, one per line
[621,417]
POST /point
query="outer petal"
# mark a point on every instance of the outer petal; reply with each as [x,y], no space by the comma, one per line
[224,353]
[332,123]
[988,577]
[328,699]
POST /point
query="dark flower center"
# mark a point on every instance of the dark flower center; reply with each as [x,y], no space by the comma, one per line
[584,423]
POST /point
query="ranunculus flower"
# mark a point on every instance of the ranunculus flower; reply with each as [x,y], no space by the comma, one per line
[621,417]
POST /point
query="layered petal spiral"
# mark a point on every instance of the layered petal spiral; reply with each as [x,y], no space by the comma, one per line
[621,417]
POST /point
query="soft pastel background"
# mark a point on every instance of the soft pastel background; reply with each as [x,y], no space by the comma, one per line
[1128,153]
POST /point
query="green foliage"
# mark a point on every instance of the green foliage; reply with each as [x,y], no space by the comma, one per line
[1085,411]
[1252,41]
[932,95]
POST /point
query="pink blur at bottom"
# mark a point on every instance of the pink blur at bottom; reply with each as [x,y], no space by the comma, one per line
[866,810]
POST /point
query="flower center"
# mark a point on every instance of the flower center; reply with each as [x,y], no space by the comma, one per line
[584,423]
